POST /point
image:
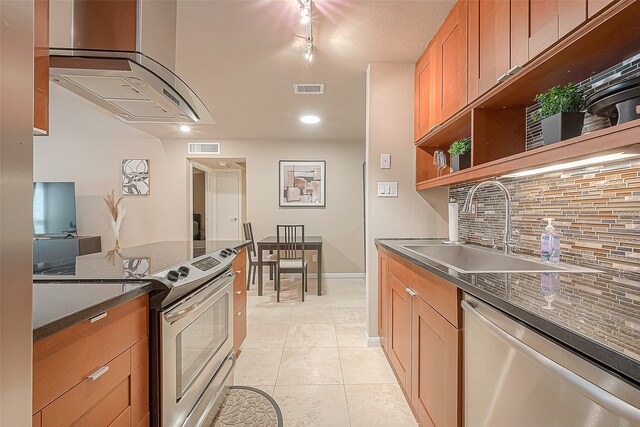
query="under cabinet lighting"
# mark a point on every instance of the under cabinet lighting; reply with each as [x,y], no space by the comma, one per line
[573,165]
[185,128]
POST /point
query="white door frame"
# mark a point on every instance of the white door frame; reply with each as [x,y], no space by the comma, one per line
[211,198]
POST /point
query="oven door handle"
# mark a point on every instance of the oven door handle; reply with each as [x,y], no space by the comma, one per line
[174,316]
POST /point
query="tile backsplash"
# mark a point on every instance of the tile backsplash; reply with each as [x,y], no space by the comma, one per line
[596,208]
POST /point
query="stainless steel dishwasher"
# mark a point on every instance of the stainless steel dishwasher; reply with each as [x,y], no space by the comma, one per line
[515,377]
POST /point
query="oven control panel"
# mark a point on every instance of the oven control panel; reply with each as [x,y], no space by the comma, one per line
[205,264]
[198,268]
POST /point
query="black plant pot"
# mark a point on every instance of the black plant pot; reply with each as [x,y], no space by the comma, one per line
[460,161]
[562,126]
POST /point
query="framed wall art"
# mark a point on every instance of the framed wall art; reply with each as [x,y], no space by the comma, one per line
[135,177]
[302,183]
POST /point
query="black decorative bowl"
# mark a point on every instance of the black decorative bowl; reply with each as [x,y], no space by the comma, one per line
[619,102]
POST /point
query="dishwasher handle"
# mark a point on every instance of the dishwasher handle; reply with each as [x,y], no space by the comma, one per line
[605,399]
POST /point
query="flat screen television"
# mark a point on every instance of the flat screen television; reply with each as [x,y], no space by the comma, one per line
[54,208]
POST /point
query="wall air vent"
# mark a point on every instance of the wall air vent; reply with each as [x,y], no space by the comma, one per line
[204,148]
[308,89]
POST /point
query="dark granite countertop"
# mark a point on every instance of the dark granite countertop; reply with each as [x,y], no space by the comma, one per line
[595,314]
[90,284]
[59,305]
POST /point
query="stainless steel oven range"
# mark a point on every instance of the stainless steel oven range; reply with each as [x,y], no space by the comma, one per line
[192,340]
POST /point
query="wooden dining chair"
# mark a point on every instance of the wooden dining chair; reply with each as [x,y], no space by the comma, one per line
[252,253]
[290,254]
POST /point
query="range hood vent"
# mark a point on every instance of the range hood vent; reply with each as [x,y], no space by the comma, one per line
[110,58]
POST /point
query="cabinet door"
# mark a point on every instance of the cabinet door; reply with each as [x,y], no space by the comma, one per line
[383,297]
[399,345]
[424,94]
[435,391]
[451,62]
[489,49]
[543,22]
[595,6]
[41,68]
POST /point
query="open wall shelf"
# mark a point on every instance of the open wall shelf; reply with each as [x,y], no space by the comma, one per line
[615,138]
[496,121]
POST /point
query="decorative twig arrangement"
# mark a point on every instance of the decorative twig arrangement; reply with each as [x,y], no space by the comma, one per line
[117,212]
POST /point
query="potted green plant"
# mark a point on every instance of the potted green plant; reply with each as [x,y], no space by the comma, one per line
[560,111]
[460,152]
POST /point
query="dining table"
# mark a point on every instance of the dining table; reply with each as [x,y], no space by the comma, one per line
[270,243]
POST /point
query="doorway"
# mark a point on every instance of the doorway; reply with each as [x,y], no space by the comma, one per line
[198,179]
[218,200]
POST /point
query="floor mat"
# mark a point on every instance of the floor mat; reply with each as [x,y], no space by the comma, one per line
[248,406]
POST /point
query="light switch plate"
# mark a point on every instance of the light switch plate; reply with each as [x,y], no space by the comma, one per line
[385,161]
[387,189]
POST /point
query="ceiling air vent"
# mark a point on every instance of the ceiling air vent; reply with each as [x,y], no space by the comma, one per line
[204,148]
[308,89]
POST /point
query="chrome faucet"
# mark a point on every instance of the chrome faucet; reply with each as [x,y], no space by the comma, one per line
[511,239]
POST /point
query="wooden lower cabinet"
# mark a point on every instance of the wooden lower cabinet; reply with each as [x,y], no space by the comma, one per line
[383,296]
[435,357]
[95,373]
[399,347]
[239,266]
[423,346]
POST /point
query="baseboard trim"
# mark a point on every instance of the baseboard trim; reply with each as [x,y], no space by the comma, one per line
[372,341]
[338,275]
[265,276]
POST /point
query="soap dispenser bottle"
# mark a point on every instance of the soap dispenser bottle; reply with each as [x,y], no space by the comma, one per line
[550,243]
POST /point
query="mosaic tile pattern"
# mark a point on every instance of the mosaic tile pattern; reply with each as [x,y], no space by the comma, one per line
[597,212]
[625,70]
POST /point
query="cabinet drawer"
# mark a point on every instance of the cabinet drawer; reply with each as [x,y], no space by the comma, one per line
[240,281]
[239,297]
[93,402]
[123,420]
[239,328]
[240,261]
[440,294]
[64,359]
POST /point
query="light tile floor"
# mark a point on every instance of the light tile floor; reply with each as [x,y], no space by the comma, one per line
[312,357]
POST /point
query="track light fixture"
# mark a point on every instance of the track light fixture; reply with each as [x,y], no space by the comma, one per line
[305,19]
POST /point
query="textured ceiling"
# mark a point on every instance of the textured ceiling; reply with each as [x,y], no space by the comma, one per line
[243,56]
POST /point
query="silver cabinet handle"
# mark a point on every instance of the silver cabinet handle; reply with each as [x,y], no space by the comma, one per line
[98,317]
[98,373]
[410,292]
[603,398]
[233,219]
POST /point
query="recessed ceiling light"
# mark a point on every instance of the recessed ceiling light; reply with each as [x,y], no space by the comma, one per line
[310,119]
[185,128]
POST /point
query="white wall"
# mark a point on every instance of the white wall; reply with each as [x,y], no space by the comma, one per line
[390,130]
[87,146]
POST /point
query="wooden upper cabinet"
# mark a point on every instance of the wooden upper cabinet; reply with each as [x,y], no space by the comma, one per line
[450,44]
[41,68]
[425,94]
[595,6]
[537,24]
[489,47]
[435,354]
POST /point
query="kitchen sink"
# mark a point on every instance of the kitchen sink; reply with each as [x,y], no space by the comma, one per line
[477,259]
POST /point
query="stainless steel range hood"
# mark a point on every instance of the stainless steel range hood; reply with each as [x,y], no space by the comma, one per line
[120,55]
